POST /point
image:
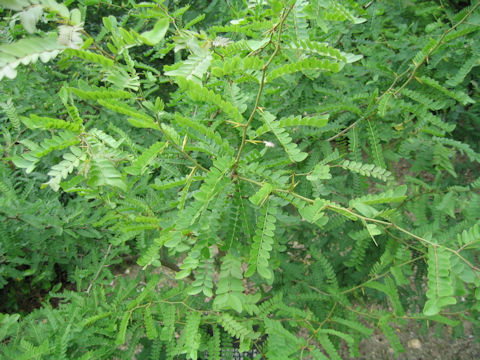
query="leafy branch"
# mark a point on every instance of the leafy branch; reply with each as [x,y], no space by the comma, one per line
[278,27]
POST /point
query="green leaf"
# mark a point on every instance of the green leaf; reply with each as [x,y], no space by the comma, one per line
[7,321]
[203,277]
[319,172]
[103,172]
[263,243]
[92,57]
[281,343]
[75,17]
[234,328]
[199,93]
[390,290]
[390,334]
[190,338]
[143,123]
[392,195]
[365,210]
[336,11]
[136,115]
[158,32]
[376,146]
[95,318]
[169,317]
[457,95]
[284,138]
[354,325]
[447,205]
[193,68]
[30,16]
[17,5]
[61,170]
[168,184]
[319,48]
[215,181]
[313,121]
[261,195]
[367,170]
[122,330]
[314,213]
[440,289]
[438,318]
[26,162]
[470,236]
[26,51]
[328,346]
[425,99]
[140,164]
[383,104]
[207,132]
[150,327]
[303,65]
[348,338]
[100,93]
[229,293]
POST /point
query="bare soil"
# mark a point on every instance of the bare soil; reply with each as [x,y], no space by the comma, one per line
[421,345]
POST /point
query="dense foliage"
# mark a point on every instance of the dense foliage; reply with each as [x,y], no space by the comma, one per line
[288,174]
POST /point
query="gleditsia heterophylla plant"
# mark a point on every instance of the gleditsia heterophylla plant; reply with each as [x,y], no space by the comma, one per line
[262,166]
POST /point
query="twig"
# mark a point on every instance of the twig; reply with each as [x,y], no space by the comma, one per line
[437,45]
[99,269]
[182,151]
[262,84]
[412,74]
[341,209]
[344,131]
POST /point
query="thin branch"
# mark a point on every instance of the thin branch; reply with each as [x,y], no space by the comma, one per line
[260,89]
[182,151]
[437,45]
[341,209]
[344,131]
[102,264]
[412,74]
[380,276]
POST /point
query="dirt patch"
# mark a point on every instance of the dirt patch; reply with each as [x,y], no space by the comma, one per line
[25,295]
[420,345]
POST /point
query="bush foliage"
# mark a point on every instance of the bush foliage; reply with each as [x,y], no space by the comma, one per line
[275,168]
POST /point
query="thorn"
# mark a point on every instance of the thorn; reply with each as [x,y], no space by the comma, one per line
[236,124]
[185,138]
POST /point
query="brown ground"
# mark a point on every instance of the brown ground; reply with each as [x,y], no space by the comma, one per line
[420,346]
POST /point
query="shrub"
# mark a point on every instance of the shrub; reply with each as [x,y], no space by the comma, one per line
[292,163]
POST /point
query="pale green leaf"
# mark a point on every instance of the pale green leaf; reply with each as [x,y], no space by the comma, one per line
[158,32]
